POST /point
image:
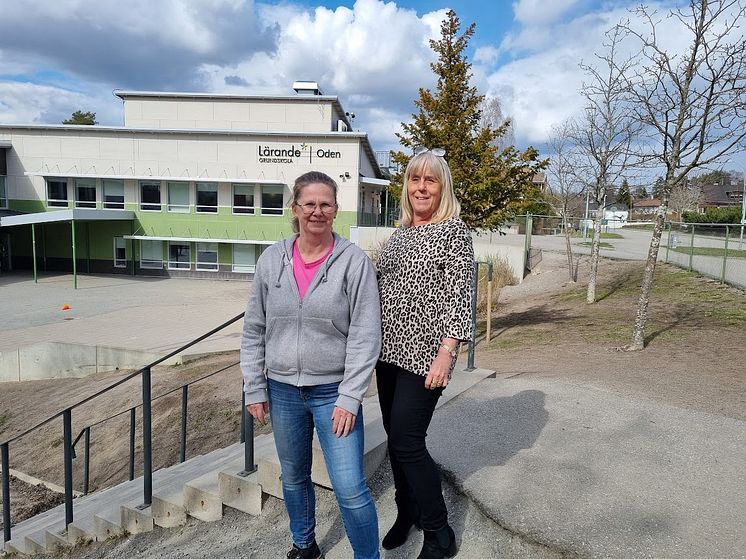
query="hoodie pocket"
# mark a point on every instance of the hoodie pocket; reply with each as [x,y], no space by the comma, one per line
[281,343]
[324,348]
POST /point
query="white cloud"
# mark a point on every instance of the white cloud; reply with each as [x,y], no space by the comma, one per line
[374,56]
[486,55]
[532,12]
[28,103]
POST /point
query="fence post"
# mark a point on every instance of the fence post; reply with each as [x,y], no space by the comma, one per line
[6,490]
[473,343]
[668,240]
[725,255]
[184,400]
[132,444]
[691,249]
[87,461]
[489,302]
[527,246]
[147,441]
[67,443]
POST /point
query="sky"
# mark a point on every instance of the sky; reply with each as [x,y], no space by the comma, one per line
[66,55]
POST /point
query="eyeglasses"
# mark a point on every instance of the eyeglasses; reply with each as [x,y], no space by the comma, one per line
[309,207]
[438,152]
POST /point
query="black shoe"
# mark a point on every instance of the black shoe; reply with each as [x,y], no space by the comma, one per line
[439,544]
[399,532]
[311,552]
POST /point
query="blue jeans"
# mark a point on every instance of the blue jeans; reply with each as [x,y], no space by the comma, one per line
[295,411]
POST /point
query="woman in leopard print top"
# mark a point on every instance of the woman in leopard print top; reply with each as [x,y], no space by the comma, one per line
[425,274]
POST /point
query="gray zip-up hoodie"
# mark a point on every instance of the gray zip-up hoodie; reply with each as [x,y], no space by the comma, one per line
[332,335]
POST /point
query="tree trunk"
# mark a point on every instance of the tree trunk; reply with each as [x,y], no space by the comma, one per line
[595,251]
[638,336]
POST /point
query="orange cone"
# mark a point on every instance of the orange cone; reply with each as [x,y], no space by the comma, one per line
[65,307]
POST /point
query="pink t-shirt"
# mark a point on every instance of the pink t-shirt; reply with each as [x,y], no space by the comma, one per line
[304,272]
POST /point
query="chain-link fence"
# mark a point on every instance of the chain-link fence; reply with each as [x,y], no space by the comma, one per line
[714,250]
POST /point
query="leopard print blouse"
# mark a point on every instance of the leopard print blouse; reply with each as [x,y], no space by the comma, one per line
[425,281]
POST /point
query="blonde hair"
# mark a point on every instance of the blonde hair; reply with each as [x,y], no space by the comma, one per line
[306,179]
[449,205]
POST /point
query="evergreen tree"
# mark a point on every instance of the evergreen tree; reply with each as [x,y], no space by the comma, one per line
[641,192]
[79,117]
[624,196]
[486,180]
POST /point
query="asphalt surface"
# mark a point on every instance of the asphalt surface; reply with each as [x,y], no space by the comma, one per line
[591,474]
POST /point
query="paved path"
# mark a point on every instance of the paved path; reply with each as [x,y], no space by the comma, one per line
[587,472]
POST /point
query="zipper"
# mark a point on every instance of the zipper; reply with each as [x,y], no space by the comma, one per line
[297,344]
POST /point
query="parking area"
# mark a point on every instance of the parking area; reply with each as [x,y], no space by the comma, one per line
[149,314]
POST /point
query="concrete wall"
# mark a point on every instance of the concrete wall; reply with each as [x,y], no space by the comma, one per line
[48,360]
[371,239]
[229,114]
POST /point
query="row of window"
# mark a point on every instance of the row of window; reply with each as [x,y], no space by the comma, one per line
[180,256]
[175,196]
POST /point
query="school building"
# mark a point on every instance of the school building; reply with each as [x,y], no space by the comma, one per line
[191,185]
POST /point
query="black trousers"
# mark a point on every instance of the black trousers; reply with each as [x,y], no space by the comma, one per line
[407,408]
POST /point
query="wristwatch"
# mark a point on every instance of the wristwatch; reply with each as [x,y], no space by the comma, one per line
[451,350]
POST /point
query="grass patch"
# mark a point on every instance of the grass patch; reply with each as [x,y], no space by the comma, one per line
[5,416]
[601,244]
[710,251]
[640,226]
[523,337]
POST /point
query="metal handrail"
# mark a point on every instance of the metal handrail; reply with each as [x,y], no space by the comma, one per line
[86,431]
[247,436]
[125,379]
[153,400]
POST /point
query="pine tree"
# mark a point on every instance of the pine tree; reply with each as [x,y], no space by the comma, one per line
[624,196]
[79,117]
[486,180]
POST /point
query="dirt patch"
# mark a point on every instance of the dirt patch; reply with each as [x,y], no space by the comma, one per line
[213,421]
[29,500]
[696,341]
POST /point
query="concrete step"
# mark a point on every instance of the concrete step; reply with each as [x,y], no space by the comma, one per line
[198,487]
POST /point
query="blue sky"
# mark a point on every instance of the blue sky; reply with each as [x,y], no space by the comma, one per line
[374,55]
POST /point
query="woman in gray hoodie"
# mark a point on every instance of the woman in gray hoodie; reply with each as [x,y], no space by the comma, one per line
[310,342]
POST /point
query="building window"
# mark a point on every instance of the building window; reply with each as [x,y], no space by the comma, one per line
[3,194]
[150,196]
[151,254]
[85,193]
[272,199]
[57,193]
[113,194]
[120,252]
[207,197]
[178,197]
[244,258]
[179,256]
[243,198]
[207,257]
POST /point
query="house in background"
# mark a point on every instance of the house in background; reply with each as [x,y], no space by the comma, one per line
[192,184]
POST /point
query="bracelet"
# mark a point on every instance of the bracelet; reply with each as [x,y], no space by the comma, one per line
[451,350]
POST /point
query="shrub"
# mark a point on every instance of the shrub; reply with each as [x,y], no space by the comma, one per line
[502,275]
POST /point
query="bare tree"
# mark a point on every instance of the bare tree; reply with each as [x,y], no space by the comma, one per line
[691,103]
[492,117]
[684,197]
[564,183]
[604,136]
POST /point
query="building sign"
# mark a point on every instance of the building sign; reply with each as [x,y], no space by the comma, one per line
[294,154]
